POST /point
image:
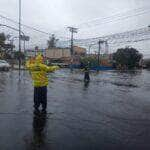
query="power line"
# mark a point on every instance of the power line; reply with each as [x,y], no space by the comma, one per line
[35,29]
[145,29]
[122,18]
[29,27]
[72,30]
[110,17]
[43,32]
[141,34]
[115,15]
[32,28]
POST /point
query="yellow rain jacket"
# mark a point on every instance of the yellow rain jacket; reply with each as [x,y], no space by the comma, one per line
[39,71]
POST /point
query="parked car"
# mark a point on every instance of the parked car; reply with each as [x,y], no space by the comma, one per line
[4,65]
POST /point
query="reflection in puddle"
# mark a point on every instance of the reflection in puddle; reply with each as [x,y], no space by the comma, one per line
[86,84]
[38,133]
[39,122]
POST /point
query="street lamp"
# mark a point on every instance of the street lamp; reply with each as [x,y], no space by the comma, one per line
[19,35]
[12,41]
[22,36]
[15,29]
[12,46]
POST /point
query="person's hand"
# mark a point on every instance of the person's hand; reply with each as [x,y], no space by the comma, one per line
[56,67]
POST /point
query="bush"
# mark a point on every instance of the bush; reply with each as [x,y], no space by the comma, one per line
[127,58]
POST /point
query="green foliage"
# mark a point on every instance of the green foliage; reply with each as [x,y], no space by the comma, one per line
[6,56]
[127,57]
[2,40]
[88,61]
[52,42]
[5,49]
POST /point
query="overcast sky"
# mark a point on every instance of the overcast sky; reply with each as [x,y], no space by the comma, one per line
[51,15]
[54,15]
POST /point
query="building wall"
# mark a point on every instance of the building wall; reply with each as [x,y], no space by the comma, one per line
[79,50]
[33,53]
[64,55]
[58,53]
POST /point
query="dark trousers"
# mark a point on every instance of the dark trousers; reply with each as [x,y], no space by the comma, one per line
[40,97]
[86,76]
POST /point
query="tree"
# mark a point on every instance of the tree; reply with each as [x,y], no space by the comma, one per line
[5,49]
[127,58]
[2,40]
[52,42]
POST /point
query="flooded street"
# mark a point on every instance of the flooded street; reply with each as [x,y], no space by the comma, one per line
[111,112]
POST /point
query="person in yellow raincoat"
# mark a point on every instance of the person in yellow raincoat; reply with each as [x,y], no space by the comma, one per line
[39,72]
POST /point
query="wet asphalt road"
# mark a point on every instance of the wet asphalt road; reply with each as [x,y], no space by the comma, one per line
[111,112]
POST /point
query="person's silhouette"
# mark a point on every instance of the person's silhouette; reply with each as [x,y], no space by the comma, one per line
[86,75]
[39,122]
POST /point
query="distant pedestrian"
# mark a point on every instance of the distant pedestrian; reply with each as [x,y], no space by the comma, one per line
[39,72]
[86,74]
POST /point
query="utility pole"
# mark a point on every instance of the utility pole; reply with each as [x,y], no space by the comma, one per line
[19,36]
[89,49]
[99,49]
[106,48]
[24,45]
[72,30]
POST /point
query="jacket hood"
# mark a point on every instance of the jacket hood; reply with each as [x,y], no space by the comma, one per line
[39,58]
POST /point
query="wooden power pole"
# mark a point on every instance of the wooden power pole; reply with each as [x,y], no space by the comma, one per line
[72,30]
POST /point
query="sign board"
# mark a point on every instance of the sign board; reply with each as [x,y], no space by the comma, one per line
[24,38]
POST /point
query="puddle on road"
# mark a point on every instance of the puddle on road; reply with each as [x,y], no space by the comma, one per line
[80,110]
